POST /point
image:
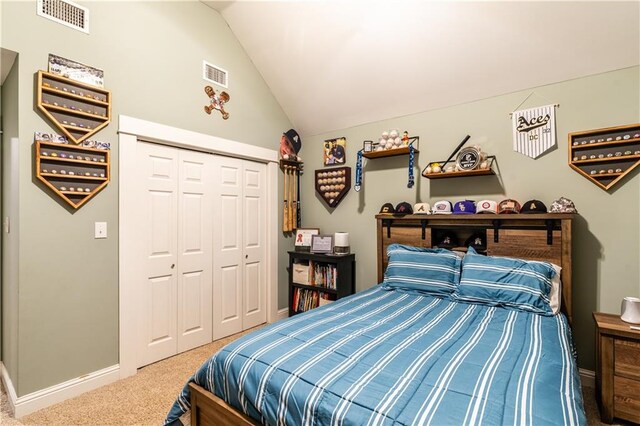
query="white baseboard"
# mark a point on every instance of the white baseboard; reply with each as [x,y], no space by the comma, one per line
[43,398]
[588,378]
[283,313]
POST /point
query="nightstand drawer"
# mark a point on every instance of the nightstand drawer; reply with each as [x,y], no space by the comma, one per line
[627,358]
[300,273]
[626,399]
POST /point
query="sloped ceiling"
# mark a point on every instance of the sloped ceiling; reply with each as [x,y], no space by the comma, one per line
[337,64]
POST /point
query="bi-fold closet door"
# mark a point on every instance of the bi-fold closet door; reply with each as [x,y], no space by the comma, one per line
[239,275]
[180,220]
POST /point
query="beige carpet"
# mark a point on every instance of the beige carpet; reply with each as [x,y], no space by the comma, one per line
[145,398]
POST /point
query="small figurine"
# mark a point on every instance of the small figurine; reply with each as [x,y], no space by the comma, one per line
[405,138]
[216,101]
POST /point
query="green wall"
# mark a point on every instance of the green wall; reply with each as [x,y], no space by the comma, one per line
[151,53]
[9,309]
[606,249]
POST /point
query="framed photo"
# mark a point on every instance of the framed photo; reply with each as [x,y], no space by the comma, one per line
[76,71]
[322,244]
[303,238]
[367,146]
[335,151]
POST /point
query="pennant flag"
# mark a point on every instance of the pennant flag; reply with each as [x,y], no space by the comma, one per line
[534,130]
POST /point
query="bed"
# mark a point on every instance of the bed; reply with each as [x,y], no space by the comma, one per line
[395,356]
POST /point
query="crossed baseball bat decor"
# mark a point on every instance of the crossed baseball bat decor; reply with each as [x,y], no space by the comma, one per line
[291,217]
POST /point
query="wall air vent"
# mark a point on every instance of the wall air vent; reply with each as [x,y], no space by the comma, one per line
[215,74]
[66,13]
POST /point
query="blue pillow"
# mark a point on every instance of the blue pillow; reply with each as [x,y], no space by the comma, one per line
[432,271]
[503,281]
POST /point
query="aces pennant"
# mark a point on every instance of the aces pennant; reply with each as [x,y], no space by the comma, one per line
[534,130]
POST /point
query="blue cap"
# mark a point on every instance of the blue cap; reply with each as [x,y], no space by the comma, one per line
[464,207]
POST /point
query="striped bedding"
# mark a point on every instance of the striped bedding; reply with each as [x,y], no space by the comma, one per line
[384,357]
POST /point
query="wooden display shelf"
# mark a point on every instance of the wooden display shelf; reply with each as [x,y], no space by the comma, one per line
[445,175]
[606,144]
[54,92]
[607,159]
[56,181]
[624,162]
[75,112]
[388,153]
[59,176]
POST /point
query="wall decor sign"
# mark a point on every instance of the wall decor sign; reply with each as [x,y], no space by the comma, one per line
[335,151]
[534,130]
[76,71]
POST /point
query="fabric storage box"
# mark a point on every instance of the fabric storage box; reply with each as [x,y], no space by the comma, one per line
[300,273]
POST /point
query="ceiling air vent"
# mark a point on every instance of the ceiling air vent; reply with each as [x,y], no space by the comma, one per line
[66,13]
[215,74]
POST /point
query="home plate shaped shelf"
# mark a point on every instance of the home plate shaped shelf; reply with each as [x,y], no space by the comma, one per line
[79,110]
[74,173]
[605,156]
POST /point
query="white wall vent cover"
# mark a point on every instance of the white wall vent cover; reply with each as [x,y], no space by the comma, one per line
[215,74]
[66,13]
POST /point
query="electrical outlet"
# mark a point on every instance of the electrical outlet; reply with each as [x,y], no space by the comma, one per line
[100,230]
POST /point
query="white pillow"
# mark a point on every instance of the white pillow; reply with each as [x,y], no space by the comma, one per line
[555,296]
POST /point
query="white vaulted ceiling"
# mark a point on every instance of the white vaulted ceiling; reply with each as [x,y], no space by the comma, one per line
[338,64]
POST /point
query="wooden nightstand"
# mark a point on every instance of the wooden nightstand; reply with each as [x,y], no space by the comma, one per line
[617,368]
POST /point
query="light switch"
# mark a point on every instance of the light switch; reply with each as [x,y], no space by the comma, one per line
[101,230]
[6,224]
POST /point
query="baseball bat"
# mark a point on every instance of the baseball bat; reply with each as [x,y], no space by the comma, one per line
[466,138]
[298,207]
[285,212]
[294,203]
[290,198]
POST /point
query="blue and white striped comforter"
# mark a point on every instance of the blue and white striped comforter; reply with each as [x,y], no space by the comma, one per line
[386,357]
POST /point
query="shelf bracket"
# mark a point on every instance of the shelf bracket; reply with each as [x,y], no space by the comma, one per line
[549,223]
[423,222]
[496,227]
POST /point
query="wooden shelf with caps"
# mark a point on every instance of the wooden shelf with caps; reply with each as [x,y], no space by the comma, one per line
[74,173]
[78,110]
[605,156]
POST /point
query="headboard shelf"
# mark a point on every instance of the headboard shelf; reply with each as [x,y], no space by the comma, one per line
[545,237]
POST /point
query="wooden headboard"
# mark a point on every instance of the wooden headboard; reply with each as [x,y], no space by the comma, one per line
[545,237]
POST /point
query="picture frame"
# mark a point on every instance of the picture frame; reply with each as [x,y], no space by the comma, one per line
[335,151]
[367,146]
[302,242]
[322,244]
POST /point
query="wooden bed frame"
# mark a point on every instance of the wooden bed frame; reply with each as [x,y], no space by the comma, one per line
[545,237]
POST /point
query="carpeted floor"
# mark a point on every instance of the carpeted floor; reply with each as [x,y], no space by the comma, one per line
[145,398]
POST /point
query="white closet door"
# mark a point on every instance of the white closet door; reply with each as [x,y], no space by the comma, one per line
[254,307]
[157,187]
[228,247]
[195,256]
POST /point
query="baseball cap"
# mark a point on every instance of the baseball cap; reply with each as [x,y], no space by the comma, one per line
[508,206]
[294,138]
[477,241]
[442,207]
[464,207]
[533,206]
[448,240]
[422,208]
[387,208]
[487,206]
[563,205]
[404,208]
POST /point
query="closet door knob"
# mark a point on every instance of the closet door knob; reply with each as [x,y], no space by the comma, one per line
[246,256]
[173,265]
